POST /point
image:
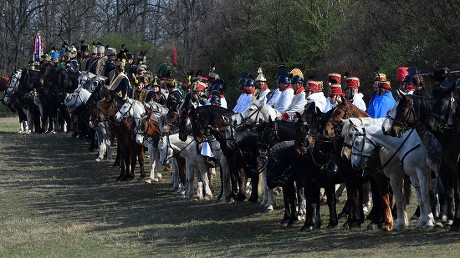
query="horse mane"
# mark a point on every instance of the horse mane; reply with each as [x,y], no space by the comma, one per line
[214,110]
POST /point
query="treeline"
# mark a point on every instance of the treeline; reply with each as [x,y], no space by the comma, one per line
[317,36]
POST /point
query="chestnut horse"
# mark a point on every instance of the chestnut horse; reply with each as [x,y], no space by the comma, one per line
[353,179]
[127,149]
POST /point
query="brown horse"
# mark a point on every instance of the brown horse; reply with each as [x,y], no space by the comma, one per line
[4,82]
[127,148]
[332,129]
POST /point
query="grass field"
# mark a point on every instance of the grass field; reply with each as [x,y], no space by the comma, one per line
[56,201]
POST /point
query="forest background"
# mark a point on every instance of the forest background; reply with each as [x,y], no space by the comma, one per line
[317,36]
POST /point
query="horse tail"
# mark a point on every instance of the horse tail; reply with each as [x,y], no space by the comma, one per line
[260,185]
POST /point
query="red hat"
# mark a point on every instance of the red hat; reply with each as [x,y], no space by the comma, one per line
[352,82]
[410,87]
[401,73]
[385,85]
[334,78]
[315,86]
[336,91]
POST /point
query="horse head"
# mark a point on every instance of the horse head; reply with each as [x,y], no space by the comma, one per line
[183,122]
[401,117]
[171,121]
[301,145]
[344,110]
[444,113]
[198,125]
[125,111]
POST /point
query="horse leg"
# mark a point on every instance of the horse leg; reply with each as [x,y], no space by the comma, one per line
[101,144]
[189,185]
[312,196]
[140,158]
[241,179]
[456,179]
[205,179]
[381,183]
[301,202]
[423,198]
[255,188]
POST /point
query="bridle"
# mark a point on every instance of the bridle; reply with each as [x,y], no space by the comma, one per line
[446,121]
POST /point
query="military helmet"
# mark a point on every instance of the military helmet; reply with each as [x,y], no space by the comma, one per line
[297,79]
[215,99]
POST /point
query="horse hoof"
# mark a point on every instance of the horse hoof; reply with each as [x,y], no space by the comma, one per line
[98,160]
[372,226]
[307,228]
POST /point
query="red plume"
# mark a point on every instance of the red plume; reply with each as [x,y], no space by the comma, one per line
[174,55]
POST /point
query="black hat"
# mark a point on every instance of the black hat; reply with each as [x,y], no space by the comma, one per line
[296,79]
[215,99]
[440,74]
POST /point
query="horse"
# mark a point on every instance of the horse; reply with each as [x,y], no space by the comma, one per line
[258,112]
[331,127]
[391,168]
[76,99]
[149,134]
[270,134]
[413,111]
[19,98]
[444,123]
[125,133]
[312,160]
[208,123]
[407,149]
[171,146]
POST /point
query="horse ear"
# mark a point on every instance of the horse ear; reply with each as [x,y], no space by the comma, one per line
[401,94]
[344,100]
[299,116]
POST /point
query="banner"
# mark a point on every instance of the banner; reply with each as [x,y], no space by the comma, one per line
[39,48]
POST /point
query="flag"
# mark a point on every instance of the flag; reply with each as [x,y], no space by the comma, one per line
[39,47]
[174,55]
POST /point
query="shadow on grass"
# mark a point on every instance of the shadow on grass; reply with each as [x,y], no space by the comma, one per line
[70,187]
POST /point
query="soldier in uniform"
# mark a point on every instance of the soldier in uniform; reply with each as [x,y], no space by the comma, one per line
[352,93]
[100,65]
[217,89]
[174,98]
[261,85]
[110,63]
[119,85]
[298,101]
[83,62]
[314,93]
[247,97]
[287,93]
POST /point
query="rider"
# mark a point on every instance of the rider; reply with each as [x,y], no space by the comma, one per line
[298,101]
[334,97]
[217,88]
[352,94]
[383,103]
[287,93]
[314,93]
[174,98]
[261,85]
[246,98]
[120,83]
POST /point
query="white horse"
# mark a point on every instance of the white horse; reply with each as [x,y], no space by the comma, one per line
[171,145]
[76,99]
[391,166]
[258,112]
[408,150]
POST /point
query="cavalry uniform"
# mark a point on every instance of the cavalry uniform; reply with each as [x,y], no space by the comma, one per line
[174,99]
[273,96]
[353,84]
[317,95]
[262,89]
[332,99]
[383,103]
[83,61]
[298,101]
[120,84]
[285,99]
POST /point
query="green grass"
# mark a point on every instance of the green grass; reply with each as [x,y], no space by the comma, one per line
[5,112]
[56,201]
